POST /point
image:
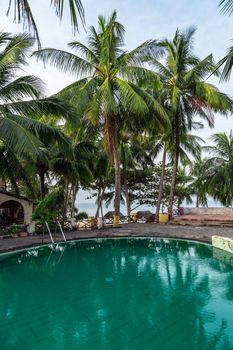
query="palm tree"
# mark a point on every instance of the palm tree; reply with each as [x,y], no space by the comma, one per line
[72,172]
[13,173]
[189,145]
[200,175]
[109,81]
[185,90]
[183,189]
[137,152]
[21,104]
[227,60]
[220,179]
[102,177]
[227,6]
[23,13]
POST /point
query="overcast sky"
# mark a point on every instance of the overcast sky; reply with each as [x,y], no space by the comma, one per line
[143,19]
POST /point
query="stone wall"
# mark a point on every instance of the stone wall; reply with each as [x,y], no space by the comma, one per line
[208,211]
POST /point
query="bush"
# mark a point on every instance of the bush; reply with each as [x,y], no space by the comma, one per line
[80,216]
[50,207]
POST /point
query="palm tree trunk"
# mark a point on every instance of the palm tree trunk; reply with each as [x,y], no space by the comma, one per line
[66,199]
[160,194]
[197,200]
[175,166]
[117,187]
[127,196]
[74,195]
[42,184]
[2,184]
[111,138]
[101,208]
[98,203]
[117,170]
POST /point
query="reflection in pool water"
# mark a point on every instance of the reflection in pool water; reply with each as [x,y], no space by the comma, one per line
[117,294]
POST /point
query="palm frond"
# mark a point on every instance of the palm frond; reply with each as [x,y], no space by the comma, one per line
[227,61]
[65,61]
[40,107]
[17,137]
[89,55]
[226,6]
[23,87]
[23,14]
[14,53]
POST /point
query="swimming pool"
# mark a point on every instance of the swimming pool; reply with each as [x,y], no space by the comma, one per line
[116,294]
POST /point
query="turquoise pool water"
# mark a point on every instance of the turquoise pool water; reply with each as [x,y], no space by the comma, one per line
[117,294]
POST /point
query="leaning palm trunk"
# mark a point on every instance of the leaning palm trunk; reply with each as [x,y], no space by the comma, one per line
[160,194]
[175,166]
[127,196]
[99,201]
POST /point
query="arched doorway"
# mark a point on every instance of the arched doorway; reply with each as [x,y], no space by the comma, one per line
[11,212]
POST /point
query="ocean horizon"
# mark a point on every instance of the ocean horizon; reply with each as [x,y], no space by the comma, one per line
[90,207]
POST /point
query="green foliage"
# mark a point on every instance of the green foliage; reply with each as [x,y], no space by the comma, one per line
[21,104]
[220,165]
[81,215]
[186,94]
[200,173]
[14,228]
[123,114]
[49,209]
[144,186]
[110,78]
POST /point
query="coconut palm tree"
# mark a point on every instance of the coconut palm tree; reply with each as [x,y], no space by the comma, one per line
[23,13]
[183,191]
[109,81]
[200,174]
[137,153]
[185,90]
[189,146]
[72,172]
[227,8]
[220,179]
[21,102]
[14,174]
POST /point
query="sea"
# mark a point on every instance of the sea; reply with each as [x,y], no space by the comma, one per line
[90,206]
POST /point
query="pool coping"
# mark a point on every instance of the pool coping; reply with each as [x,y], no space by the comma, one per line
[41,246]
[197,234]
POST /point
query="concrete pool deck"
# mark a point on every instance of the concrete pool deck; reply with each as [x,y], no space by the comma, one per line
[200,234]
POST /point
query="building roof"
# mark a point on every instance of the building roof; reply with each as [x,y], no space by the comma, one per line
[13,195]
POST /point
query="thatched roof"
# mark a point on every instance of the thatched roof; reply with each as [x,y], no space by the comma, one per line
[110,215]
